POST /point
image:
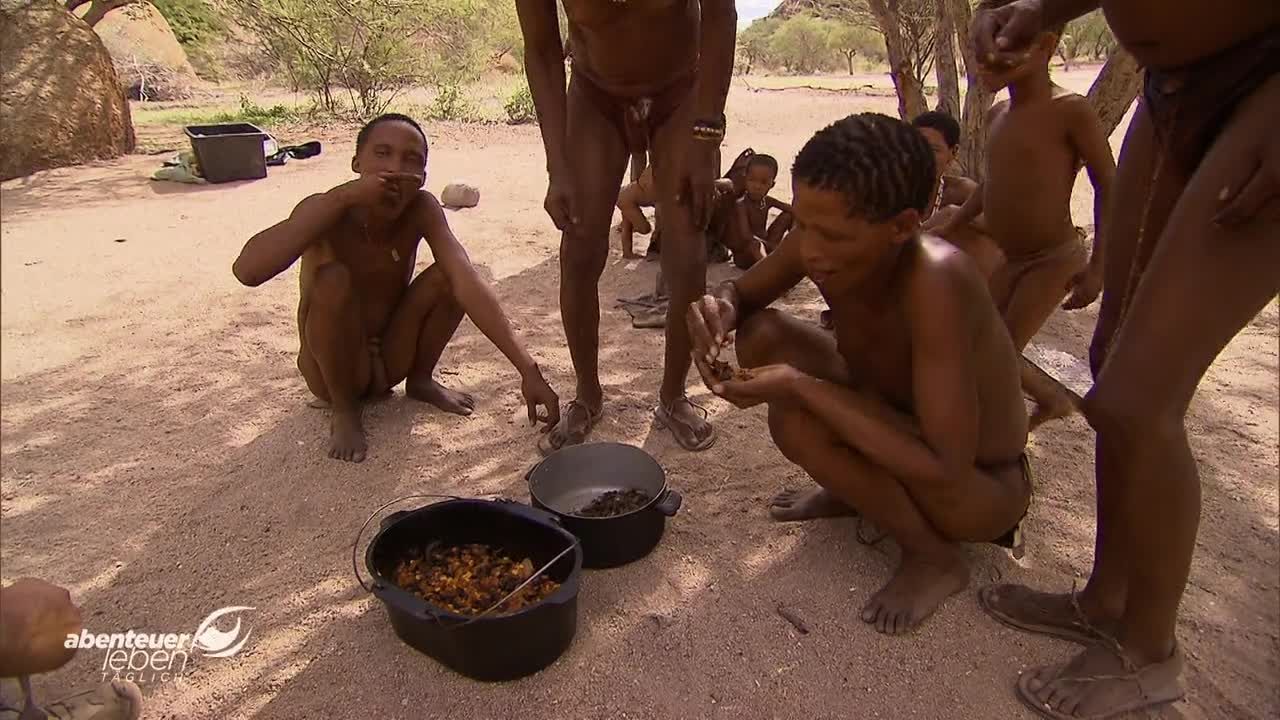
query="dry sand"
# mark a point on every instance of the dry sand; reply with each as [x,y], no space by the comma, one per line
[159,459]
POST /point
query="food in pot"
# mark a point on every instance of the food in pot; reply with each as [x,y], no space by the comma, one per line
[615,502]
[469,579]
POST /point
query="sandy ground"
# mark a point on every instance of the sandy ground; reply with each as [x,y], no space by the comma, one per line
[159,460]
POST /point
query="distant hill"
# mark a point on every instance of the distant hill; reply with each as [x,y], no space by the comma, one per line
[821,8]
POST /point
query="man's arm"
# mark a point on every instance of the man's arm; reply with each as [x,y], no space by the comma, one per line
[719,33]
[776,203]
[544,67]
[940,443]
[273,250]
[1095,150]
[475,295]
[956,190]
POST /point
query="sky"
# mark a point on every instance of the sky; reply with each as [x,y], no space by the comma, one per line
[749,10]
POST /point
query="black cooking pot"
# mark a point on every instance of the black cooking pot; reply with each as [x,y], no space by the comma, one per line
[488,647]
[570,478]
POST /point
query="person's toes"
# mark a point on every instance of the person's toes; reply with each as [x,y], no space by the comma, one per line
[901,623]
[784,499]
[1070,704]
[869,612]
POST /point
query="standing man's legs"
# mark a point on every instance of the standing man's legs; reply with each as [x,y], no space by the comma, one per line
[684,267]
[1203,284]
[1102,600]
[597,164]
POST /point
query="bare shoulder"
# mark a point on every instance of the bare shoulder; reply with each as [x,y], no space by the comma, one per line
[426,211]
[998,109]
[944,279]
[1074,106]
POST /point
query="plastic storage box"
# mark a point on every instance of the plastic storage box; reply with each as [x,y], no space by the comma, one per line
[229,151]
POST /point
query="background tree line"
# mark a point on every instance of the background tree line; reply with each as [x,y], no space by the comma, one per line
[924,43]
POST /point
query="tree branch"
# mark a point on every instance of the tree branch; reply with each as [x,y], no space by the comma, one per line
[100,8]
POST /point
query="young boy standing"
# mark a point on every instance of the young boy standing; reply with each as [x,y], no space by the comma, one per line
[364,325]
[1037,139]
[749,234]
[911,414]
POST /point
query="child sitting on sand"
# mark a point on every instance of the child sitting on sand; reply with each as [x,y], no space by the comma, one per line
[1037,140]
[364,327]
[749,234]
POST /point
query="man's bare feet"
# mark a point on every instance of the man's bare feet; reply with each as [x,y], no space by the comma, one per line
[687,423]
[1100,683]
[914,593]
[1062,615]
[450,401]
[346,437]
[575,425]
[808,504]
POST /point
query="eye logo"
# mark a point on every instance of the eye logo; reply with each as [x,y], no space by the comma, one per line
[213,642]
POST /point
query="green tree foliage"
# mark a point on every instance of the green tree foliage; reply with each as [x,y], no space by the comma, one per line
[194,22]
[754,42]
[801,44]
[374,49]
[853,41]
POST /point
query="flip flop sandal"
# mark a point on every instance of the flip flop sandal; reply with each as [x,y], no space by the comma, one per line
[1080,631]
[1150,691]
[545,445]
[664,418]
[650,319]
[114,700]
[304,151]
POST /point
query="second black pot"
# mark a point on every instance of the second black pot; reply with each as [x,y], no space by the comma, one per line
[570,478]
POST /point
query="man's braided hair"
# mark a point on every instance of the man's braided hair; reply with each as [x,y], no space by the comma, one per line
[881,164]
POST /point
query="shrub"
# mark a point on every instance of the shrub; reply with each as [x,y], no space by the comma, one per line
[519,106]
[451,103]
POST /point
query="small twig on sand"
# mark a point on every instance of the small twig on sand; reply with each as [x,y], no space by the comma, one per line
[790,616]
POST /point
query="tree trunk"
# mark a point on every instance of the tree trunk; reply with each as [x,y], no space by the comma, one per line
[1115,88]
[977,100]
[911,100]
[849,56]
[100,8]
[945,61]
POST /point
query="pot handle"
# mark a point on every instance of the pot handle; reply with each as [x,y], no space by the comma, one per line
[531,513]
[355,566]
[528,476]
[670,503]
